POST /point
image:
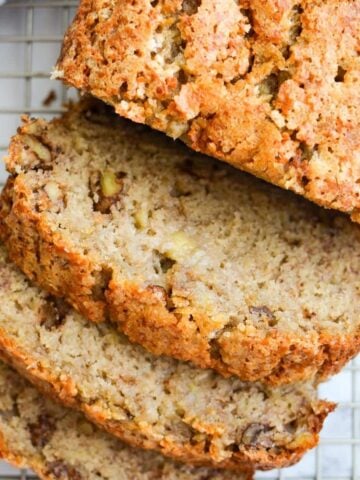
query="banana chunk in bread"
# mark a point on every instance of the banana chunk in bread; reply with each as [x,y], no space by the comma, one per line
[59,444]
[158,403]
[272,87]
[187,256]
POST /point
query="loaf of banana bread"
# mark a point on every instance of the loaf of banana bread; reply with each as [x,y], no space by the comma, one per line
[60,444]
[151,402]
[272,87]
[189,257]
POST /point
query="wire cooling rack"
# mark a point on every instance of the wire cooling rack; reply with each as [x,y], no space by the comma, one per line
[30,36]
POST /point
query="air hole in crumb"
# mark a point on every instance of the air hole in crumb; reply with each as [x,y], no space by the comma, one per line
[123,88]
[166,264]
[154,3]
[233,447]
[162,263]
[182,77]
[306,151]
[304,180]
[286,52]
[340,76]
[101,283]
[297,28]
[292,426]
[249,15]
[190,7]
[272,83]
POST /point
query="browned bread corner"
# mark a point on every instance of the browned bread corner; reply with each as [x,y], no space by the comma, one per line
[272,87]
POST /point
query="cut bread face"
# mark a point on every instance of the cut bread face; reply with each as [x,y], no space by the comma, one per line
[189,414]
[187,256]
[59,444]
[270,87]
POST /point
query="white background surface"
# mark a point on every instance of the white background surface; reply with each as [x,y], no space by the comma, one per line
[24,66]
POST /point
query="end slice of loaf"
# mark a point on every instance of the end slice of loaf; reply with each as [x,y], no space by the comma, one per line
[270,87]
[189,257]
[59,444]
[155,403]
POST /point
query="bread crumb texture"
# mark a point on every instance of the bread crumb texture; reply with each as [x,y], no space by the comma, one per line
[270,86]
[152,402]
[187,256]
[59,444]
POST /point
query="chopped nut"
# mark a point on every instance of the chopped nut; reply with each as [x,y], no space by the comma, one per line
[180,246]
[253,432]
[41,431]
[106,189]
[40,150]
[59,469]
[53,312]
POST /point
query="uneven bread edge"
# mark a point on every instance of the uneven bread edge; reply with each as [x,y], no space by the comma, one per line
[64,390]
[36,460]
[142,314]
[198,137]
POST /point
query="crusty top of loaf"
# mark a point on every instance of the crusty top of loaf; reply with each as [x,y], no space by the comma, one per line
[154,402]
[60,444]
[250,276]
[270,86]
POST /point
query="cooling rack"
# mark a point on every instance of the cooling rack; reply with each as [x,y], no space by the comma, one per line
[30,36]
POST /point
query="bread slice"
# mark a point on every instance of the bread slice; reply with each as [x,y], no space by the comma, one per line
[156,403]
[59,444]
[271,87]
[189,257]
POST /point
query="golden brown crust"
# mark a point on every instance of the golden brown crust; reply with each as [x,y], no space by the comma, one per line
[49,457]
[275,357]
[269,86]
[63,389]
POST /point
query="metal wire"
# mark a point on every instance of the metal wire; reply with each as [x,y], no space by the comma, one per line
[338,456]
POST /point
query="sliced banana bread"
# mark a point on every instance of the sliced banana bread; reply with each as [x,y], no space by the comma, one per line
[60,444]
[156,403]
[271,86]
[188,256]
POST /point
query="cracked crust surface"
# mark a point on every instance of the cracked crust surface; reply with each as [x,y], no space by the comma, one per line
[187,256]
[59,444]
[270,86]
[155,403]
